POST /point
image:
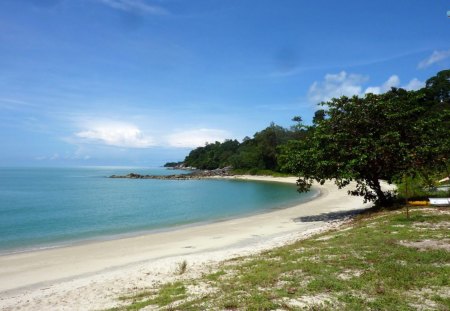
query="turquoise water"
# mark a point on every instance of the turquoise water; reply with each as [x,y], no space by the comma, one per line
[46,207]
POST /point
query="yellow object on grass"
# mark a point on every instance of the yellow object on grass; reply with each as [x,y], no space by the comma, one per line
[419,203]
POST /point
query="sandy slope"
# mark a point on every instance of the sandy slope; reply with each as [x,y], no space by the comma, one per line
[91,276]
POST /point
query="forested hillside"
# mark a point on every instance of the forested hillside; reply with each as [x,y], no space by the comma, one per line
[262,152]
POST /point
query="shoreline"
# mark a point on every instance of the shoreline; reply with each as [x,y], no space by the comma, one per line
[32,279]
[174,227]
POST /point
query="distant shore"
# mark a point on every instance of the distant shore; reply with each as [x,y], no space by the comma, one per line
[91,276]
[194,174]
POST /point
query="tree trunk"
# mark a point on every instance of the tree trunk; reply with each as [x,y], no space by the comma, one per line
[382,200]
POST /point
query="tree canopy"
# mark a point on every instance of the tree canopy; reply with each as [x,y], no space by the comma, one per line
[258,153]
[372,138]
[212,156]
[439,86]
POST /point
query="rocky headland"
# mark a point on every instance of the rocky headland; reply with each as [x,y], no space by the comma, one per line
[198,174]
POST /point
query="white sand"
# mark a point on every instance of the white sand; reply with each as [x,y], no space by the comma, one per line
[91,276]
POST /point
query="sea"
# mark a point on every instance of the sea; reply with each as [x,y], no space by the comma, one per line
[52,207]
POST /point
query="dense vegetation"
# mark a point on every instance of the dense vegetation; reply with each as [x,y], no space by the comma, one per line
[261,152]
[395,136]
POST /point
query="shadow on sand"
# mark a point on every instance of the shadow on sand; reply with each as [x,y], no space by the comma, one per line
[330,216]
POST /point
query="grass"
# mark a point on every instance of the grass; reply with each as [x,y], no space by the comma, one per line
[163,297]
[365,266]
[182,267]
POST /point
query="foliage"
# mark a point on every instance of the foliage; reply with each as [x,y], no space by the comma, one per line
[420,187]
[439,86]
[257,153]
[212,156]
[420,180]
[261,151]
[373,138]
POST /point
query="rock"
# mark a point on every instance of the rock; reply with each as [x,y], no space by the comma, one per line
[226,171]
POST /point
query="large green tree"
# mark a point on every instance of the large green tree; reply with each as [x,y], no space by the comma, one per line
[371,138]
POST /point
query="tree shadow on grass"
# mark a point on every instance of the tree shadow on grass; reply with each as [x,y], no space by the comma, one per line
[331,216]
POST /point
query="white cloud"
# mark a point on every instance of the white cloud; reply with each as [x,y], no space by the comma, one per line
[373,90]
[435,57]
[336,85]
[414,84]
[340,84]
[196,138]
[393,81]
[115,134]
[136,6]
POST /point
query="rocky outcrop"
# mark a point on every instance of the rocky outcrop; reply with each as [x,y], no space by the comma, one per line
[201,174]
[178,166]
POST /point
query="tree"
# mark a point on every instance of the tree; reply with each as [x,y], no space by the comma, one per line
[319,115]
[258,153]
[212,156]
[439,86]
[368,139]
[268,141]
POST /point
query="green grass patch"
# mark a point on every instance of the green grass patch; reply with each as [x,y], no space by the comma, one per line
[166,295]
[366,266]
[215,276]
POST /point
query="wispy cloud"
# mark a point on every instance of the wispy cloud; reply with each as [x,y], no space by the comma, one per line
[14,104]
[67,156]
[196,138]
[135,6]
[53,157]
[345,84]
[435,57]
[115,134]
[301,69]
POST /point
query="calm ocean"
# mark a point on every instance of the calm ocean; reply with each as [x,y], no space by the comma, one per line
[46,207]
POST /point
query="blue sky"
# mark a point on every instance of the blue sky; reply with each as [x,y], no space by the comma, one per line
[141,82]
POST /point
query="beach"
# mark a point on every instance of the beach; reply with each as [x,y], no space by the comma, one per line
[93,275]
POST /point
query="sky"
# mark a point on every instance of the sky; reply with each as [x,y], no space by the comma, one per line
[142,82]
